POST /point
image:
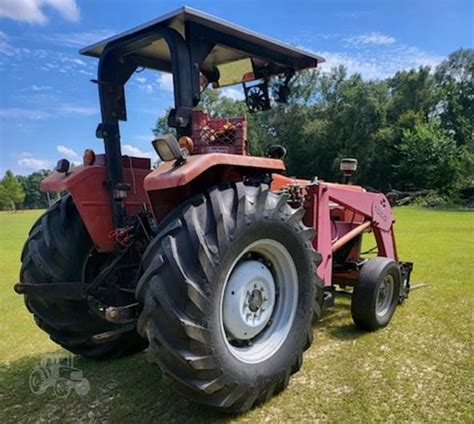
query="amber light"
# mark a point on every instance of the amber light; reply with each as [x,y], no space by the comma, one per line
[186,142]
[89,157]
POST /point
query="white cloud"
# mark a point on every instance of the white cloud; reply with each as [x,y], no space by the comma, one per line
[88,73]
[40,87]
[144,137]
[350,15]
[375,38]
[67,152]
[24,114]
[78,110]
[41,59]
[32,10]
[67,62]
[26,160]
[79,62]
[34,164]
[381,65]
[25,155]
[165,81]
[35,114]
[142,83]
[233,93]
[78,39]
[7,49]
[373,55]
[129,150]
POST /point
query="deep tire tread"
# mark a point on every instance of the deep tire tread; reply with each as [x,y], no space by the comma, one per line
[54,253]
[174,315]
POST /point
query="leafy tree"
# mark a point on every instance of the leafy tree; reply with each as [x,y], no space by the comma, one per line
[390,126]
[13,189]
[34,198]
[455,77]
[5,202]
[413,90]
[429,159]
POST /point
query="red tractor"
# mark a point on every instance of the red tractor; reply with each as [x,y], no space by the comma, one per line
[216,261]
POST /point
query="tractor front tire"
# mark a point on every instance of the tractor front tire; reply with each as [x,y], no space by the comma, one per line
[56,251]
[227,294]
[376,294]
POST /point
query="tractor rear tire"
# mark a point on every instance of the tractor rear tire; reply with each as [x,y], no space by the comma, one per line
[376,294]
[56,251]
[202,256]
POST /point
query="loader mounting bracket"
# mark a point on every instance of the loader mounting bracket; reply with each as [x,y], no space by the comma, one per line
[405,269]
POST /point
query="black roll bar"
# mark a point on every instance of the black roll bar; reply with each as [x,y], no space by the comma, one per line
[116,65]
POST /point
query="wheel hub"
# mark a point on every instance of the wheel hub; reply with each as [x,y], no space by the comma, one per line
[384,296]
[249,300]
[259,301]
[255,300]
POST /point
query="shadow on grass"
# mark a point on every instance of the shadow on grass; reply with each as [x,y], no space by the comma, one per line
[123,390]
[331,321]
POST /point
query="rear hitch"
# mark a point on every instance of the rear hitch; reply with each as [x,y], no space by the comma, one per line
[115,314]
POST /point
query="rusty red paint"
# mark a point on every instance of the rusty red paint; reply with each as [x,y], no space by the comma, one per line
[87,185]
[167,175]
[334,210]
[279,181]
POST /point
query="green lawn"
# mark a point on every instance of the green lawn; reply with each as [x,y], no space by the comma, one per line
[418,369]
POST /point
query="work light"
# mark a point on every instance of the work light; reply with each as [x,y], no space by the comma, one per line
[348,166]
[168,148]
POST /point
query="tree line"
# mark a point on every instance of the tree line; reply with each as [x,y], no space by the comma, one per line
[411,131]
[22,192]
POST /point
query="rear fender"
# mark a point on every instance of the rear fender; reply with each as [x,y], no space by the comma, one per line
[169,185]
[88,188]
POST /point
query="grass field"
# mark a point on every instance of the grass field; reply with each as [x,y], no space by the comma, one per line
[418,369]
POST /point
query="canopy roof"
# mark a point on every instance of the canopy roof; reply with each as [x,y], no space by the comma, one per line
[231,43]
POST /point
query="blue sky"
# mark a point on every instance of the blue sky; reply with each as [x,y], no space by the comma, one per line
[49,108]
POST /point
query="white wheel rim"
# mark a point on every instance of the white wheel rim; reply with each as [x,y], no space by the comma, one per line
[259,301]
[384,296]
